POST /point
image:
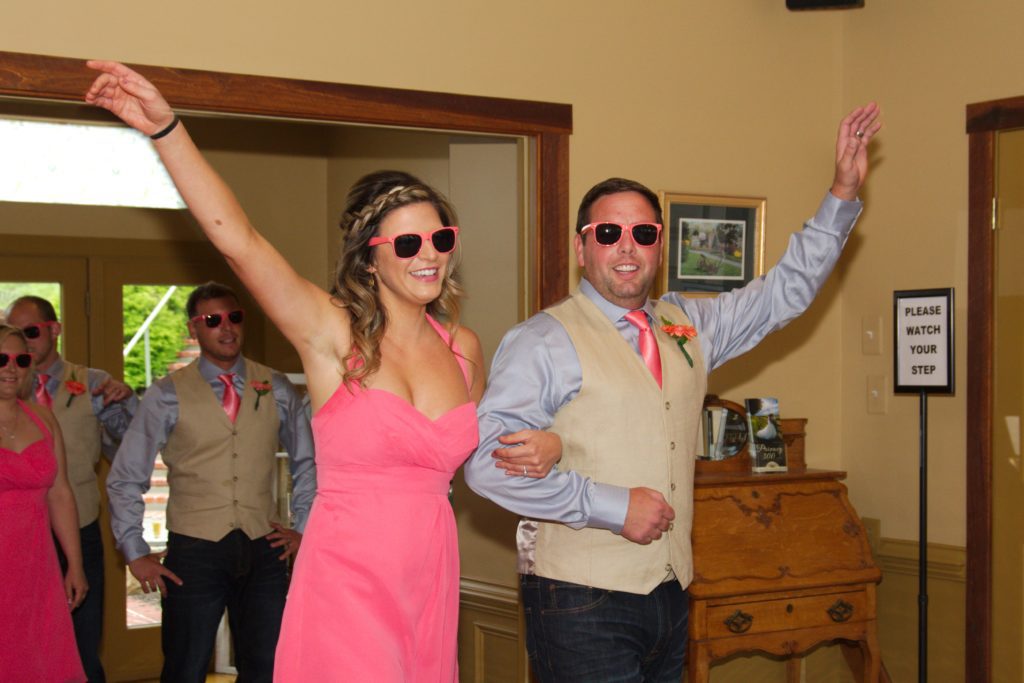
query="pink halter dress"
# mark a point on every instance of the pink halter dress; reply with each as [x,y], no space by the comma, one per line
[375,591]
[37,641]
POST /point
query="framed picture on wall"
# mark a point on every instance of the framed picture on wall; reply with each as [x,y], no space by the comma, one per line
[712,243]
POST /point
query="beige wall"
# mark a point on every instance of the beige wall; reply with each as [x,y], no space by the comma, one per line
[712,96]
[924,61]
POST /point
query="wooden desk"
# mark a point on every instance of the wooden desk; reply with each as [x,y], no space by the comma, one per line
[781,564]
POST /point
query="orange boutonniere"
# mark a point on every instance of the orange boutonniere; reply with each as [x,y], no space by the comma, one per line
[262,388]
[74,388]
[681,333]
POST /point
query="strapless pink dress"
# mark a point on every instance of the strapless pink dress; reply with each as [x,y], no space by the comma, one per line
[375,592]
[37,641]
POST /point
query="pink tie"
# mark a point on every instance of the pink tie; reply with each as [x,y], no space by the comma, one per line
[648,345]
[230,400]
[43,397]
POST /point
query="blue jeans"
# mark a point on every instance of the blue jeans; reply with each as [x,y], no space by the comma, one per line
[88,618]
[591,635]
[243,575]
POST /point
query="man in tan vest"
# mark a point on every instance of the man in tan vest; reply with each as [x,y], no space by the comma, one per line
[93,411]
[217,423]
[621,379]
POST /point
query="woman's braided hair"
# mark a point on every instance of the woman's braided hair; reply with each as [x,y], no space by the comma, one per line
[355,288]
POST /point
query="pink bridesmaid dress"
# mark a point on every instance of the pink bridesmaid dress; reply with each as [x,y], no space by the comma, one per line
[37,641]
[375,591]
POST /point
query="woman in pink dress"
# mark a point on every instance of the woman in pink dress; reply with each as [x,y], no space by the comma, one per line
[393,381]
[37,641]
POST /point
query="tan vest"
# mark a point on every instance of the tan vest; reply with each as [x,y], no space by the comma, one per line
[623,429]
[221,475]
[82,441]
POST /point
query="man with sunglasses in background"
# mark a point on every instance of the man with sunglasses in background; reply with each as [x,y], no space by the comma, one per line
[621,379]
[93,411]
[217,423]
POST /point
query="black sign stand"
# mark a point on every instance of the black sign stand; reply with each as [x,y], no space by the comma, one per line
[923,364]
[922,560]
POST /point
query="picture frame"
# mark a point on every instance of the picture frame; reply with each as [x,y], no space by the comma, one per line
[712,244]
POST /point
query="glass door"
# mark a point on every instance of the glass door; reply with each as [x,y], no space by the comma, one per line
[62,282]
[139,328]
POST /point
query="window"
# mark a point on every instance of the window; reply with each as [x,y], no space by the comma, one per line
[99,165]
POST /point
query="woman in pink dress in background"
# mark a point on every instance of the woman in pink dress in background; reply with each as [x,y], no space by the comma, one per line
[393,381]
[37,641]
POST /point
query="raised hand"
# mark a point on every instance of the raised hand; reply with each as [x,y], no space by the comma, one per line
[855,132]
[129,96]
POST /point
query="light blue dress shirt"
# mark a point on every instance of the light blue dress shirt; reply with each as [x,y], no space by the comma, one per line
[115,416]
[536,370]
[155,420]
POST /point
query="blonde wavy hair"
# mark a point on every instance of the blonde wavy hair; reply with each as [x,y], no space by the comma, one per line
[24,389]
[355,288]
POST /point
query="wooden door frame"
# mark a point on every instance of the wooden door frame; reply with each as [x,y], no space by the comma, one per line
[984,121]
[547,125]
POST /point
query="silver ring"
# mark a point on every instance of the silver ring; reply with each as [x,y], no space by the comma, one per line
[524,470]
[859,133]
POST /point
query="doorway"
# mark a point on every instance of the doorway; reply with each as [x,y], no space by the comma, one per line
[88,290]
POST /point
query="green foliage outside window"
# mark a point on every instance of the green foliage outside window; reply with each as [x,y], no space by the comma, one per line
[167,333]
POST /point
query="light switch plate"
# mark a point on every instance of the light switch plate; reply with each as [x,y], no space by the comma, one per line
[877,395]
[871,335]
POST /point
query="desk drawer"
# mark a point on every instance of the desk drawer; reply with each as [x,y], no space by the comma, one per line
[785,614]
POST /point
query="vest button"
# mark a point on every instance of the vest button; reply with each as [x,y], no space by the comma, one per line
[668,567]
[672,486]
[235,502]
[234,478]
[668,405]
[234,455]
[671,526]
[231,525]
[672,446]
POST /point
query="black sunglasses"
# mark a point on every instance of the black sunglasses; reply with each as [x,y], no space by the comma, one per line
[608,234]
[33,331]
[409,244]
[212,320]
[22,360]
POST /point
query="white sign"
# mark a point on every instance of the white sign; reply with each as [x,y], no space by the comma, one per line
[924,341]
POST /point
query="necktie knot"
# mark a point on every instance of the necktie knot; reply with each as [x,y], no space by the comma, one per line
[648,344]
[43,397]
[230,401]
[639,319]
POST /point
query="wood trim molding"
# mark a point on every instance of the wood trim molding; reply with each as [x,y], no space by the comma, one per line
[60,78]
[552,257]
[489,596]
[995,115]
[945,562]
[492,637]
[983,120]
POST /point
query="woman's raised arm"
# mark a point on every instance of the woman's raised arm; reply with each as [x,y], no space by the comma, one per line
[290,300]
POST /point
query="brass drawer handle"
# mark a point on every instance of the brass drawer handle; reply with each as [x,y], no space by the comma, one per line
[841,611]
[739,622]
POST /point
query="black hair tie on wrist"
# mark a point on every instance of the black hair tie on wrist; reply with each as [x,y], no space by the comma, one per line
[166,131]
